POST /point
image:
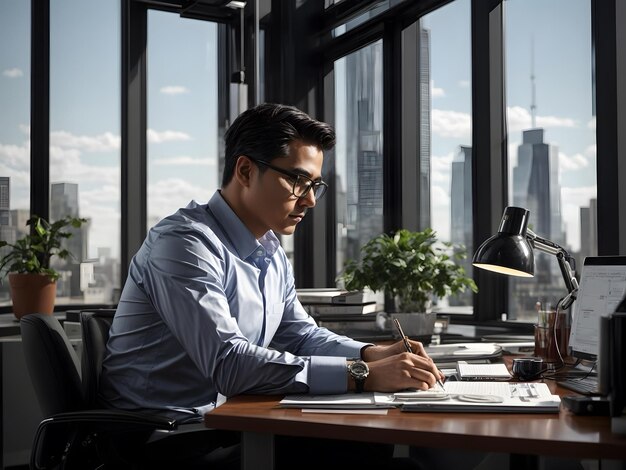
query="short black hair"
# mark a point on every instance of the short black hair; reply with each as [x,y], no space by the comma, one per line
[266,131]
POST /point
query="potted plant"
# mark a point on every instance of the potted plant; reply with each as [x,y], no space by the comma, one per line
[27,263]
[411,267]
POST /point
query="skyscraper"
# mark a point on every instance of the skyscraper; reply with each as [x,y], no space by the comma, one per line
[588,231]
[536,187]
[461,213]
[364,195]
[5,206]
[63,200]
[63,203]
[461,198]
[424,126]
[7,231]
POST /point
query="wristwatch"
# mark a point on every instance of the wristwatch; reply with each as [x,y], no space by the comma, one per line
[359,371]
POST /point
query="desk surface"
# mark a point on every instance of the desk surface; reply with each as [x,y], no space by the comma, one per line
[562,434]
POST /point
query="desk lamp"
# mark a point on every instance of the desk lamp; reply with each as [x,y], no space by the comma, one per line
[510,251]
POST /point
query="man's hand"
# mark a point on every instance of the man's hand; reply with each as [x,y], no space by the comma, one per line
[375,353]
[392,368]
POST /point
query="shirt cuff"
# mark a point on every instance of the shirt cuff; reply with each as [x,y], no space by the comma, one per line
[350,349]
[328,375]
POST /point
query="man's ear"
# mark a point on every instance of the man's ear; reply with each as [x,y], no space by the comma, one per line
[244,170]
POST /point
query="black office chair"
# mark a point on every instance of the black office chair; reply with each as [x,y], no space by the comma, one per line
[74,435]
[173,448]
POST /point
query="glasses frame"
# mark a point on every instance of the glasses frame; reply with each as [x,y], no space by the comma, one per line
[295,176]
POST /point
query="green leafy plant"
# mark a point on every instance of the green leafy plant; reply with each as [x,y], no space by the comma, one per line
[410,267]
[32,253]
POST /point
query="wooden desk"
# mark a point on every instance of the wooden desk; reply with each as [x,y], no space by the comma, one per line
[562,435]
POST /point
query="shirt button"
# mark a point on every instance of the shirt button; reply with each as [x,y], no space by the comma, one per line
[259,253]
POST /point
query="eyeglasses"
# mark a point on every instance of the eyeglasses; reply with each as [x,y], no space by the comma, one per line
[301,184]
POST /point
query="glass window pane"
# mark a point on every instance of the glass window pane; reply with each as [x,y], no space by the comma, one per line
[14,125]
[359,150]
[551,134]
[85,144]
[182,113]
[446,133]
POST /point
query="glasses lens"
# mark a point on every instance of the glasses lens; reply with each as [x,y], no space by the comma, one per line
[319,191]
[301,186]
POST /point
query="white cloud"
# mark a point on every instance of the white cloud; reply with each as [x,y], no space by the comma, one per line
[13,73]
[436,92]
[520,119]
[592,123]
[572,200]
[156,137]
[168,195]
[105,219]
[16,156]
[573,162]
[184,160]
[440,169]
[66,166]
[591,150]
[19,178]
[451,124]
[554,121]
[174,90]
[440,211]
[464,83]
[100,143]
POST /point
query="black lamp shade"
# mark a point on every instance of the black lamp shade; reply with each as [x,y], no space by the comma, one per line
[508,252]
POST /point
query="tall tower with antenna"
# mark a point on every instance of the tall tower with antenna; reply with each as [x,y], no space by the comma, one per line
[533,103]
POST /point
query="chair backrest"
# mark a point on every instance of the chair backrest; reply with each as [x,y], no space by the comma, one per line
[52,364]
[95,325]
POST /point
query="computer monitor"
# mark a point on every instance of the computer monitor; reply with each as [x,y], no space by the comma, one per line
[602,287]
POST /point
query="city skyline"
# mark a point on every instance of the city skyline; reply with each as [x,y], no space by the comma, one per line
[85,148]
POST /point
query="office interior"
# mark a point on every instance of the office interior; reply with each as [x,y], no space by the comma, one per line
[446,111]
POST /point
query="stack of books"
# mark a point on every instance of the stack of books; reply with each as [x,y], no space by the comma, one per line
[333,304]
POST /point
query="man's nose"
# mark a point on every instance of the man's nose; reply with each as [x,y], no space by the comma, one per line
[309,199]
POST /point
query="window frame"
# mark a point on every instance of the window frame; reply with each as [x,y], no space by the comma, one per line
[608,19]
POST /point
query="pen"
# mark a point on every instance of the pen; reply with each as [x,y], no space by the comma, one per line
[407,345]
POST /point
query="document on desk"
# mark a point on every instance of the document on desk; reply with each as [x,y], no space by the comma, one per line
[483,397]
[464,352]
[467,371]
[348,401]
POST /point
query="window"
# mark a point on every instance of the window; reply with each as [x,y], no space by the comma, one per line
[14,124]
[551,135]
[85,145]
[445,132]
[359,157]
[183,138]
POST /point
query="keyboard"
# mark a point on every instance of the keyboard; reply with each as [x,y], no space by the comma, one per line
[585,386]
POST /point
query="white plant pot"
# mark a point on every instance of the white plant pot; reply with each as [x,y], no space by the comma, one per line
[415,324]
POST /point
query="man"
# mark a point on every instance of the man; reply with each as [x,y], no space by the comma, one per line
[210,305]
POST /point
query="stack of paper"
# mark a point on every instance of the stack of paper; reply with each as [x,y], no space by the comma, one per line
[332,303]
[482,371]
[496,397]
[485,397]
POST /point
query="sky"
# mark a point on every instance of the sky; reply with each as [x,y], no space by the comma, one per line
[182,103]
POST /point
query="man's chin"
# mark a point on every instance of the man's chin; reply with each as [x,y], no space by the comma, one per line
[289,230]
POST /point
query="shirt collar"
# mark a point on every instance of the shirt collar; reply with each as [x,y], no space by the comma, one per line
[241,238]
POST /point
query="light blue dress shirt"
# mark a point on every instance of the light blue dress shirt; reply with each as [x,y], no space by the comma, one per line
[209,309]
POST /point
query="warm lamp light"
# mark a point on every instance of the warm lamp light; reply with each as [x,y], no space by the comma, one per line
[510,252]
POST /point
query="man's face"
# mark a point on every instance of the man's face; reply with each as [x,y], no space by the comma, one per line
[271,199]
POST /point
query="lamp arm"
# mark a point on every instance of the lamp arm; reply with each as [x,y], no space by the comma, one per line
[565,264]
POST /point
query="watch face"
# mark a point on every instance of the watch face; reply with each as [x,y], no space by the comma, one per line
[359,369]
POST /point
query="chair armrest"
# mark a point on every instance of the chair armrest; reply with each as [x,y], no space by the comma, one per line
[119,418]
[57,434]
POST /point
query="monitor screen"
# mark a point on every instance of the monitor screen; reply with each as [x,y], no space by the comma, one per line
[602,287]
